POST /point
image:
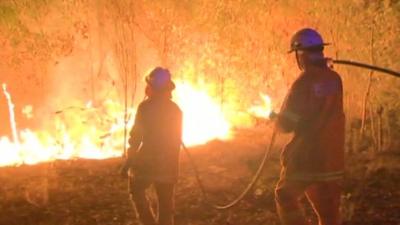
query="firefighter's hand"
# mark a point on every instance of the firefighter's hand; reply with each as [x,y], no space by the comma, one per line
[273,115]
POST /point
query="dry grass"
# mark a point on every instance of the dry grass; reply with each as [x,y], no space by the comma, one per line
[83,192]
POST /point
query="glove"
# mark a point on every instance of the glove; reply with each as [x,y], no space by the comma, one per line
[273,115]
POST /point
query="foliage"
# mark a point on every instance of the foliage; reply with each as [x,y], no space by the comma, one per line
[237,47]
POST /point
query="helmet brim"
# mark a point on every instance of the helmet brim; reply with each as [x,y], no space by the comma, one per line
[305,49]
[169,86]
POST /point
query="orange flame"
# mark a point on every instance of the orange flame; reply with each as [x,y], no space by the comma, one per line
[264,110]
[203,119]
[82,132]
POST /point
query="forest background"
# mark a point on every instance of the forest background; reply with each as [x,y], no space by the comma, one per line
[58,53]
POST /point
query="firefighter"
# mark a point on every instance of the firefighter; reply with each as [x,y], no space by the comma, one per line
[313,161]
[153,153]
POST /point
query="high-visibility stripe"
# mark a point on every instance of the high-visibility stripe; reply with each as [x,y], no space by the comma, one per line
[316,176]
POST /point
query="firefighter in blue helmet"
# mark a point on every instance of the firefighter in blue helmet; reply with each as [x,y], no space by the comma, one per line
[153,153]
[313,161]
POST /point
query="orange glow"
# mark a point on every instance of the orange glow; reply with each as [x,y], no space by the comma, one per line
[83,131]
[203,119]
[264,110]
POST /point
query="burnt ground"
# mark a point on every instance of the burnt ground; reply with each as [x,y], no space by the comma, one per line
[91,192]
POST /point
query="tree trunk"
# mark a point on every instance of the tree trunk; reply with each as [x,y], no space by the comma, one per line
[368,90]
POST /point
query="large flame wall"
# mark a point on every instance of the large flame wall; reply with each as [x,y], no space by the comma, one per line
[64,62]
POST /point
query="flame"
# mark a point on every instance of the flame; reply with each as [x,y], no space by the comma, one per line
[92,131]
[263,110]
[203,119]
[12,114]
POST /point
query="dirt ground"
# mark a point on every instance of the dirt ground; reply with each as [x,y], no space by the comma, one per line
[83,192]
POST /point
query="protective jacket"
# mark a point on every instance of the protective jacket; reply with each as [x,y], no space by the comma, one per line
[155,140]
[313,110]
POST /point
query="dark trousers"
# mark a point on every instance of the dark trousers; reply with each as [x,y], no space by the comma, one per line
[165,195]
[323,196]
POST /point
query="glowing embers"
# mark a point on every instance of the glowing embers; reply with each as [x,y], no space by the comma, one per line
[203,119]
[264,110]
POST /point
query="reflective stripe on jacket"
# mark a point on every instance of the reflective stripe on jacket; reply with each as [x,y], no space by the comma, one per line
[313,110]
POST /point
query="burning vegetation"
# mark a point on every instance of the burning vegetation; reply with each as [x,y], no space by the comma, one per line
[78,135]
[72,75]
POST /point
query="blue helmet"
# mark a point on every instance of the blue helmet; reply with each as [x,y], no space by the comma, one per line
[306,39]
[160,79]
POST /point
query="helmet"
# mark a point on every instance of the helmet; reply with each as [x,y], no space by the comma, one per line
[306,39]
[160,79]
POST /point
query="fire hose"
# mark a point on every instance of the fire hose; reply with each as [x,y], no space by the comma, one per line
[268,150]
[250,186]
[365,66]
